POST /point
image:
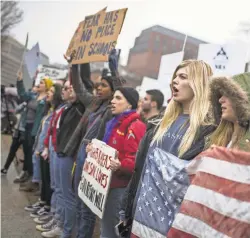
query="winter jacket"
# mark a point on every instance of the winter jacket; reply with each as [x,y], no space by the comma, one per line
[51,132]
[27,96]
[125,138]
[42,132]
[67,124]
[129,194]
[238,90]
[92,104]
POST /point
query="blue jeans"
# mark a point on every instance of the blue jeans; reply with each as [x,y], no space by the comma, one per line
[85,218]
[69,198]
[58,194]
[111,213]
[52,176]
[36,178]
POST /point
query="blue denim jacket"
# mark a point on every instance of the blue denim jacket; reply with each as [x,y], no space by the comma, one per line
[43,132]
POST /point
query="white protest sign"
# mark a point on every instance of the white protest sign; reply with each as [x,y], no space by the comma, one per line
[96,177]
[225,60]
[51,72]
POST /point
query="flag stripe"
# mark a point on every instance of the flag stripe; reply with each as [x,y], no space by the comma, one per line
[226,187]
[223,224]
[242,157]
[143,231]
[234,172]
[195,227]
[220,154]
[222,204]
[175,233]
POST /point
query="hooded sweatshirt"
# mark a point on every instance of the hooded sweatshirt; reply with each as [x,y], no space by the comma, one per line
[238,90]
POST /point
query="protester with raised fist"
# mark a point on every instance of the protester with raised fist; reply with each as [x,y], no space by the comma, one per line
[92,125]
[33,117]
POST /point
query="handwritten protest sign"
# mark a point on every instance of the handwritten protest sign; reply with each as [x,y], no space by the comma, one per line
[50,72]
[96,36]
[96,177]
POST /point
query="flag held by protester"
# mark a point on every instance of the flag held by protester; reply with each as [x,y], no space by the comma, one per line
[162,190]
[217,203]
[32,60]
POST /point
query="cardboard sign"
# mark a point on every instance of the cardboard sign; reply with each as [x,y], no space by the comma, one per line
[96,177]
[50,72]
[96,36]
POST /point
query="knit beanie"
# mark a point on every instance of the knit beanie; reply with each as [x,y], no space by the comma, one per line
[131,95]
[48,83]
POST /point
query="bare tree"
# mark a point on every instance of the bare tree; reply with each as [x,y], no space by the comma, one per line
[11,15]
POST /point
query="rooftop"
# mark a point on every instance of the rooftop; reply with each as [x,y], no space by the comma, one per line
[167,31]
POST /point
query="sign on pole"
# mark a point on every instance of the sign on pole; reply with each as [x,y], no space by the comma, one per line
[96,177]
[54,73]
[96,36]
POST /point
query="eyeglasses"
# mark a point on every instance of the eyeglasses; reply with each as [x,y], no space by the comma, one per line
[65,88]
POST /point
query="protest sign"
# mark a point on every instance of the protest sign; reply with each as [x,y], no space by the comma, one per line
[96,36]
[96,177]
[51,72]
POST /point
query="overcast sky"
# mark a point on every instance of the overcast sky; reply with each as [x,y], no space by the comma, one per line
[52,23]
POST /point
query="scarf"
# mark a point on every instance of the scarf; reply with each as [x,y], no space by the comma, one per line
[112,124]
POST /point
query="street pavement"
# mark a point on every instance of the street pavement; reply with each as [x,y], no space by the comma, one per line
[15,221]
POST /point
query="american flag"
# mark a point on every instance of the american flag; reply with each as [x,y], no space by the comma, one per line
[217,203]
[163,187]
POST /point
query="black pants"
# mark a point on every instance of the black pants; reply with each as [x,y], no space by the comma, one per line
[46,191]
[28,149]
[16,143]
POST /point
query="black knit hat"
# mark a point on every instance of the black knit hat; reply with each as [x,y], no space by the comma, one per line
[131,95]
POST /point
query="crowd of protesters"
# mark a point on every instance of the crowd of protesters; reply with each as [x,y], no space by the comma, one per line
[58,122]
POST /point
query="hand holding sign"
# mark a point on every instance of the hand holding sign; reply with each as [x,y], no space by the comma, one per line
[72,56]
[96,176]
[89,147]
[115,165]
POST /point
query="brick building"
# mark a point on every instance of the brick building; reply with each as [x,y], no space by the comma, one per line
[145,57]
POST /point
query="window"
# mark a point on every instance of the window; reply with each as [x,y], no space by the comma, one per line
[157,38]
[156,47]
[165,48]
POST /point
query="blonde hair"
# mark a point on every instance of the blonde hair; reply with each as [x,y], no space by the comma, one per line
[199,74]
[225,133]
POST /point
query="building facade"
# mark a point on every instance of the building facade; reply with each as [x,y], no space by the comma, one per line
[145,57]
[11,57]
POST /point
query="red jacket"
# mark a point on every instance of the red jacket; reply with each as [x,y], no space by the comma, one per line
[52,128]
[125,138]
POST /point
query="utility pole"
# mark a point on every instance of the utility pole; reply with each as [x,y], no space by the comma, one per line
[244,27]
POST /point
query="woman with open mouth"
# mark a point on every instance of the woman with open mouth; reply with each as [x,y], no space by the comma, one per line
[124,133]
[217,202]
[179,138]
